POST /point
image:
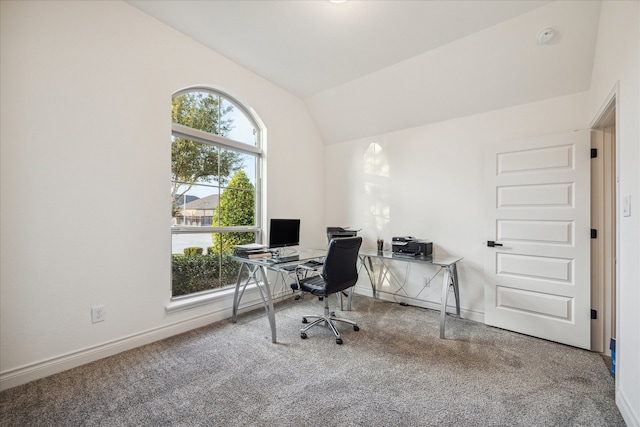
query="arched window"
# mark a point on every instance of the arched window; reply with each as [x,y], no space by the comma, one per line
[216,159]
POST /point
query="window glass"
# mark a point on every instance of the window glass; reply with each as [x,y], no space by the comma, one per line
[242,129]
[214,189]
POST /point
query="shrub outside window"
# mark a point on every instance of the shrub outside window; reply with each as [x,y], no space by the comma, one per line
[216,161]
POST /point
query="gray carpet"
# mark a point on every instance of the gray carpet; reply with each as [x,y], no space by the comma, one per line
[395,371]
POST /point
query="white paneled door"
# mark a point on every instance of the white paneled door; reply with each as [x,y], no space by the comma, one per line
[538,231]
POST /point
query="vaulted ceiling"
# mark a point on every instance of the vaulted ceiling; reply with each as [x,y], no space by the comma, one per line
[366,67]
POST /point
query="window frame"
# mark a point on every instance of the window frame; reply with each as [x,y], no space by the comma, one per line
[221,142]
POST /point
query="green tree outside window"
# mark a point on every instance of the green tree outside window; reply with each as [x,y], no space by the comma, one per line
[237,207]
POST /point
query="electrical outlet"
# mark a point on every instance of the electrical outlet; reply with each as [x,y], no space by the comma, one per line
[626,206]
[427,281]
[98,314]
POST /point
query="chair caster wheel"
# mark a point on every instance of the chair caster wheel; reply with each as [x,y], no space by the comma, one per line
[338,340]
[304,320]
[303,335]
[356,328]
[332,314]
[297,297]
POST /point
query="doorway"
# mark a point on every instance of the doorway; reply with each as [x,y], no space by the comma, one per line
[603,221]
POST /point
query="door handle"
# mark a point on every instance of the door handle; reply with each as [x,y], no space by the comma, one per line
[491,243]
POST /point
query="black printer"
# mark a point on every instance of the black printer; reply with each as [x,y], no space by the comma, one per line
[410,246]
[340,232]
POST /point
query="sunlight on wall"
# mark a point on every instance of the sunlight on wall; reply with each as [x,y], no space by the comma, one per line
[376,188]
[375,161]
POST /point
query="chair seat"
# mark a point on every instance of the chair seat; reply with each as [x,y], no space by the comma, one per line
[314,285]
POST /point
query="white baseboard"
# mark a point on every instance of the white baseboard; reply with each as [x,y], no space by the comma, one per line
[626,410]
[54,365]
[65,362]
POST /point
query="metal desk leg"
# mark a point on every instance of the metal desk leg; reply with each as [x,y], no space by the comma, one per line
[349,298]
[456,291]
[443,300]
[265,294]
[353,288]
[237,295]
[268,304]
[340,294]
[450,279]
[370,273]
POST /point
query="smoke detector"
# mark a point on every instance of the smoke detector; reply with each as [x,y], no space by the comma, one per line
[545,35]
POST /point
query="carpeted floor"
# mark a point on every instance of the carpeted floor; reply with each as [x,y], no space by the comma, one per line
[395,371]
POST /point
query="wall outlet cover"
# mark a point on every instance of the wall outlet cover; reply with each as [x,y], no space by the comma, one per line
[626,205]
[98,314]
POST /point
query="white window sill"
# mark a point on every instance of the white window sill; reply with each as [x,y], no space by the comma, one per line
[198,300]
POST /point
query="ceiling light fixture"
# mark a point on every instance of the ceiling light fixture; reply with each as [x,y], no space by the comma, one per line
[545,35]
[337,1]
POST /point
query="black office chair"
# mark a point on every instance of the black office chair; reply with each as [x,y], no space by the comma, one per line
[339,272]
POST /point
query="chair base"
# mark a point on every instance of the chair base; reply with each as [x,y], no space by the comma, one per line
[328,319]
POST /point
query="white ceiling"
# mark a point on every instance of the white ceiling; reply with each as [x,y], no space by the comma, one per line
[366,67]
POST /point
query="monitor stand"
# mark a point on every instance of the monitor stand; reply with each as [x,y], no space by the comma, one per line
[284,255]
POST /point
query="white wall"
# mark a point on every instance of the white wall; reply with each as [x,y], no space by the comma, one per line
[85,157]
[428,182]
[617,61]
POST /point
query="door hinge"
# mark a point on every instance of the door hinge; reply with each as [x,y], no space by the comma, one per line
[594,314]
[594,153]
[594,233]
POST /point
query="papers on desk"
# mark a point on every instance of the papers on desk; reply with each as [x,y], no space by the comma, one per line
[250,247]
[259,255]
[252,251]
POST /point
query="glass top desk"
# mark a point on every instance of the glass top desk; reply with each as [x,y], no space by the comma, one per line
[448,263]
[257,269]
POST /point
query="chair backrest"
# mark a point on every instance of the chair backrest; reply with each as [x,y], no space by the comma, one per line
[339,270]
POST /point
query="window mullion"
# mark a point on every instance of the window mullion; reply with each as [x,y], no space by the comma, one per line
[185,132]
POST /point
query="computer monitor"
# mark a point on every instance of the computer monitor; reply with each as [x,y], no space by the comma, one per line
[284,232]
